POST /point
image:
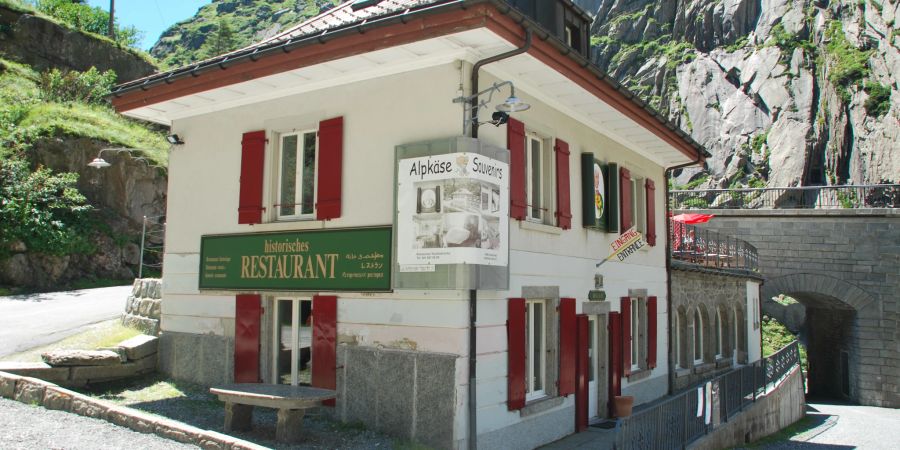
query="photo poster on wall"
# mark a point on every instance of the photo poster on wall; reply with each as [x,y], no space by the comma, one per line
[452,209]
[595,196]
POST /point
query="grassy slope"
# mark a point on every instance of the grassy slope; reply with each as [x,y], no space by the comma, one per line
[103,334]
[24,117]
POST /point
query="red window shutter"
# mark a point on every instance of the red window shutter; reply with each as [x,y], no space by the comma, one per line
[615,356]
[567,346]
[324,343]
[582,373]
[625,203]
[515,335]
[247,311]
[651,212]
[253,157]
[651,332]
[331,151]
[563,199]
[625,303]
[515,141]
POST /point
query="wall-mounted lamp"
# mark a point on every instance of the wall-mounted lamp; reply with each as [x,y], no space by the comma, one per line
[174,139]
[100,163]
[512,104]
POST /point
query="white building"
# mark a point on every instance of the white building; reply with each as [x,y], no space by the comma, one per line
[287,179]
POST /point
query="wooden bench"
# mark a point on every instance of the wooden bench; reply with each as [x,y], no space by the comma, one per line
[290,401]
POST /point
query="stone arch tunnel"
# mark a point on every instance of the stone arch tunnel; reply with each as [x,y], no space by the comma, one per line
[843,265]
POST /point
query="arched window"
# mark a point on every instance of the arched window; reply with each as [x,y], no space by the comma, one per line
[720,335]
[681,360]
[698,336]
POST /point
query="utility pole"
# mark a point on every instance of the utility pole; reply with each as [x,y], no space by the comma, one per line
[112,19]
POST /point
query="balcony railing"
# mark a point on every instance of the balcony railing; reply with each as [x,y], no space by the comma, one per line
[675,422]
[804,197]
[707,248]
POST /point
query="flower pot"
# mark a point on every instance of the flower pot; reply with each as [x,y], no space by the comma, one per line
[622,405]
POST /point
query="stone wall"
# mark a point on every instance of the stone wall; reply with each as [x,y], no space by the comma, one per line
[835,262]
[206,359]
[693,287]
[143,306]
[407,394]
[44,44]
[775,411]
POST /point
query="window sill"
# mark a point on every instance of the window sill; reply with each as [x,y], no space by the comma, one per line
[540,405]
[638,375]
[723,362]
[704,367]
[679,372]
[533,226]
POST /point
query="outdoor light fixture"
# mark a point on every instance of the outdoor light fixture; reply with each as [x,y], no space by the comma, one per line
[100,163]
[174,139]
[512,104]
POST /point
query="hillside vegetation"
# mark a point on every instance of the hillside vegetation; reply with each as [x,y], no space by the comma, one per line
[227,25]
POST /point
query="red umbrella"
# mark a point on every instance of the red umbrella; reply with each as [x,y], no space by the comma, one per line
[692,218]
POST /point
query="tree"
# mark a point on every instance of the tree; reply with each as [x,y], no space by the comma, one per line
[222,41]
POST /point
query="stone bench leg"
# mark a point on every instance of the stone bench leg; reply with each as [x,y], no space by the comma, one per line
[238,417]
[290,424]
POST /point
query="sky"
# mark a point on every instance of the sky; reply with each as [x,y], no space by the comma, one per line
[151,16]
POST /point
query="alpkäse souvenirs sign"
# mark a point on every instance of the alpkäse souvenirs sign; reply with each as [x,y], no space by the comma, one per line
[322,260]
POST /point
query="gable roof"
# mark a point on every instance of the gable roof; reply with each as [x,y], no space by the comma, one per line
[426,17]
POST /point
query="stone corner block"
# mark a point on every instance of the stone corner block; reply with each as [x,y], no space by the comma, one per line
[8,384]
[59,398]
[140,346]
[30,390]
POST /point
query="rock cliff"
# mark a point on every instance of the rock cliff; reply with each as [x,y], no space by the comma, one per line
[781,92]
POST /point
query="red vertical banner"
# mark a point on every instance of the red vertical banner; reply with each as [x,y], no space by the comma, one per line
[567,343]
[247,312]
[615,357]
[627,215]
[324,343]
[515,142]
[582,396]
[563,197]
[253,157]
[625,306]
[651,212]
[330,168]
[651,332]
[515,335]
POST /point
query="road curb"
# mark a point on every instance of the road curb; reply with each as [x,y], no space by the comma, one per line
[34,391]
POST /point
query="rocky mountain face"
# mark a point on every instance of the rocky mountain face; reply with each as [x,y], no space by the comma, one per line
[781,92]
[250,20]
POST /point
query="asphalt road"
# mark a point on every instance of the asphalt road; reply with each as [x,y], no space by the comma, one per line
[28,321]
[837,426]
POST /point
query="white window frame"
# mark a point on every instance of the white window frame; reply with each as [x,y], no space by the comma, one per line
[531,393]
[295,330]
[698,336]
[547,178]
[635,334]
[298,182]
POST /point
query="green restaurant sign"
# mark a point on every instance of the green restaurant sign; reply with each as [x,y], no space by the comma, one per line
[352,260]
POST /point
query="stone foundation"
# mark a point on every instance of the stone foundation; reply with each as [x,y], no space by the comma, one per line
[144,305]
[205,359]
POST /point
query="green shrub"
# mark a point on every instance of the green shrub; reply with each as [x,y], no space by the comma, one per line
[848,65]
[42,209]
[879,101]
[90,86]
[86,18]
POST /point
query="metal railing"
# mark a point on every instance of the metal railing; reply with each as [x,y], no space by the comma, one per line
[705,247]
[153,235]
[803,197]
[674,423]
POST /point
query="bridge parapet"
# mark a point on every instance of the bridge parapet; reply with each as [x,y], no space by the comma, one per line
[708,248]
[801,197]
